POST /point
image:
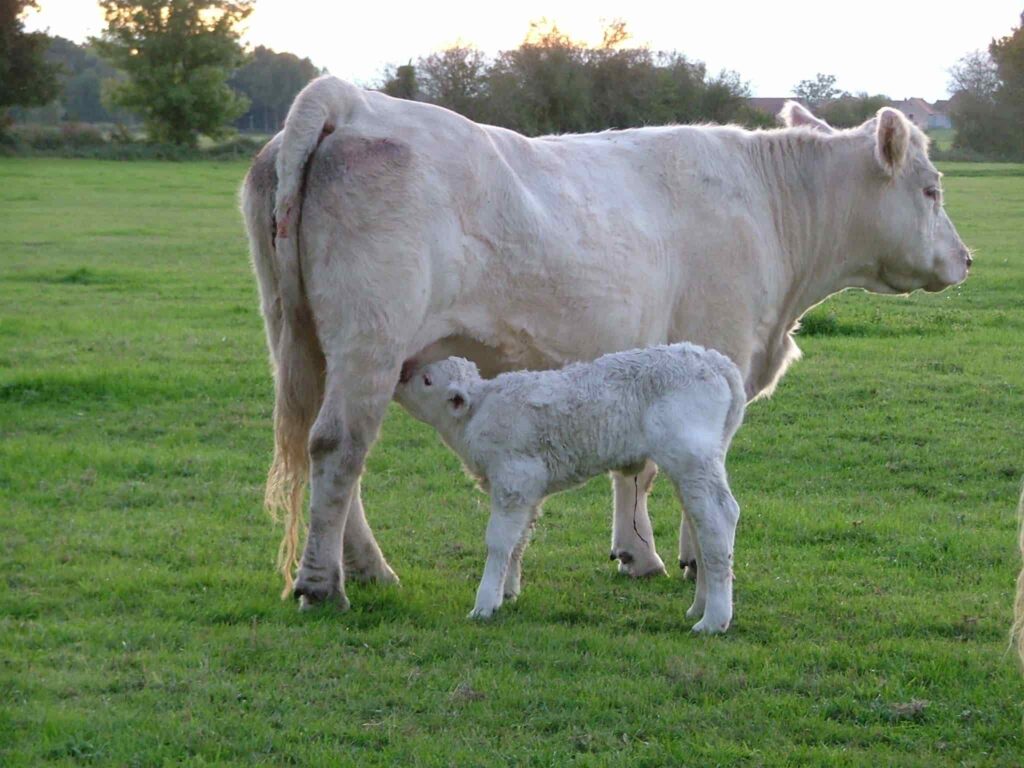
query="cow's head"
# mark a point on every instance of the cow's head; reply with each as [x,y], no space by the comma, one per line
[904,239]
[439,394]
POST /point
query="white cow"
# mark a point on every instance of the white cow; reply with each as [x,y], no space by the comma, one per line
[404,230]
[527,435]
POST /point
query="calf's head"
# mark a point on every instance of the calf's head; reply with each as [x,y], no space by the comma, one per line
[439,394]
[900,234]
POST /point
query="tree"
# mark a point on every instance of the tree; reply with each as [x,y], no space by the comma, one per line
[975,73]
[26,79]
[1008,56]
[987,105]
[270,81]
[455,78]
[817,92]
[401,83]
[178,55]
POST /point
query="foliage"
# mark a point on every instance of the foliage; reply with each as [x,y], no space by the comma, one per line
[26,78]
[270,81]
[553,84]
[847,110]
[178,55]
[139,618]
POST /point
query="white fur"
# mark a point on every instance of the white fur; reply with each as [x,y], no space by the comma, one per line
[425,235]
[527,435]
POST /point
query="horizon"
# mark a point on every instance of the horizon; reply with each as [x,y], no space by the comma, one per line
[768,52]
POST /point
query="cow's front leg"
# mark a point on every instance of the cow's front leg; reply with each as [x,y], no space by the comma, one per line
[363,559]
[345,428]
[632,534]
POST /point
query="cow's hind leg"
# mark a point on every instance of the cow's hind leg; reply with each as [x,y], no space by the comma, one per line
[355,401]
[632,534]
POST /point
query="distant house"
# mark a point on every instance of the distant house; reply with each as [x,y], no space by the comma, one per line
[769,105]
[924,115]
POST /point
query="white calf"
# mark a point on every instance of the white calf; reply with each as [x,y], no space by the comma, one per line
[527,435]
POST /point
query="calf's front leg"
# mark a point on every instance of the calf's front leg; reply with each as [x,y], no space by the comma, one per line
[515,501]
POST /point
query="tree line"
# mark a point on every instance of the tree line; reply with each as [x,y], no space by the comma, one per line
[553,84]
[178,67]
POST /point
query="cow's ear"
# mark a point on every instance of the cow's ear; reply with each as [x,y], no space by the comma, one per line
[892,140]
[458,401]
[794,114]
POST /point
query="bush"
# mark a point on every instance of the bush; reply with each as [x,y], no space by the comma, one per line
[77,140]
[81,135]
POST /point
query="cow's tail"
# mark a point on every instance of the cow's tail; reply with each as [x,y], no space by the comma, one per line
[272,212]
[1017,633]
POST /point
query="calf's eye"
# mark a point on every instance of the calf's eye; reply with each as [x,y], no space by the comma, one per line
[426,380]
[932,193]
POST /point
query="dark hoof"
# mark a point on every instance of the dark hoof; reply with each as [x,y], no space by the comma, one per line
[315,589]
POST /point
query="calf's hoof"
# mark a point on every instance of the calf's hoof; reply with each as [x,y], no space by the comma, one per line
[482,613]
[316,587]
[689,568]
[639,568]
[705,627]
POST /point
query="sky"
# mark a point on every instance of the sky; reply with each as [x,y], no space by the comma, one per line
[901,48]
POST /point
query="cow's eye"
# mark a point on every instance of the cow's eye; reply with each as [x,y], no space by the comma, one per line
[933,193]
[427,380]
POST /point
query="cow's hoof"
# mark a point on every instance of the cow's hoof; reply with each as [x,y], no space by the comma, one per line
[689,568]
[316,587]
[640,568]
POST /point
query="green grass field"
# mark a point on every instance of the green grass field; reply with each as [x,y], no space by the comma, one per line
[139,615]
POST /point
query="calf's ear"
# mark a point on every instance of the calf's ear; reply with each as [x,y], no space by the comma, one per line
[458,401]
[892,140]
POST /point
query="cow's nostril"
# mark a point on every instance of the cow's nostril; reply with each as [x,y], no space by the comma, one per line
[969,259]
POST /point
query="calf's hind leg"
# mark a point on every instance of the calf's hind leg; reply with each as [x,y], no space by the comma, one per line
[701,483]
[632,534]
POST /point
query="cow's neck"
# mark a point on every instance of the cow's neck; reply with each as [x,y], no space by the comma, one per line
[810,191]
